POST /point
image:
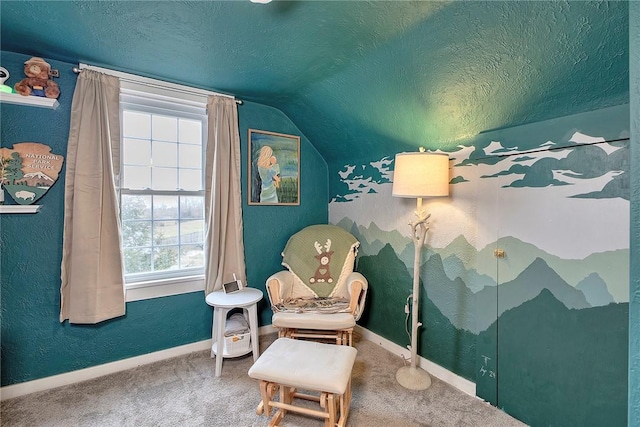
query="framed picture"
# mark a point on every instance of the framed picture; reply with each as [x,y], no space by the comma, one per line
[273,168]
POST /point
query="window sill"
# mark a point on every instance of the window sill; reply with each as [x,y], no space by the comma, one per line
[163,288]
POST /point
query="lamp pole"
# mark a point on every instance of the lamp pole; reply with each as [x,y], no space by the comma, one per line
[412,376]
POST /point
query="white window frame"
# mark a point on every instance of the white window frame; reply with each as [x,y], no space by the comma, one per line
[157,100]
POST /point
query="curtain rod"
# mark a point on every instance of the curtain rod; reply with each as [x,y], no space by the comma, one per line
[152,82]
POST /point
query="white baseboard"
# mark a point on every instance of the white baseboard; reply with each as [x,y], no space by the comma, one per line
[80,375]
[92,372]
[437,371]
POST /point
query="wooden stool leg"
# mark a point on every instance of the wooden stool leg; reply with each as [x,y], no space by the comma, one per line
[264,404]
[345,404]
[286,396]
[331,409]
[267,391]
[323,400]
[278,416]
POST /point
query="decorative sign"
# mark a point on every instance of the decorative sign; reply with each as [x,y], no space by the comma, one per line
[28,171]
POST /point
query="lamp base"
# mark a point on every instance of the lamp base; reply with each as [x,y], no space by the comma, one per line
[413,378]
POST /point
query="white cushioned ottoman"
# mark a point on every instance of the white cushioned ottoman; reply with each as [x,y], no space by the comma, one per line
[288,365]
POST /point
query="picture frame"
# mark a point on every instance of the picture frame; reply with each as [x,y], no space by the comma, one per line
[273,168]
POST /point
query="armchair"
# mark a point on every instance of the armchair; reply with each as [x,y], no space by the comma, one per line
[319,296]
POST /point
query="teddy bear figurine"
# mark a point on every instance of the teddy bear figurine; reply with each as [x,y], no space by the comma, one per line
[37,82]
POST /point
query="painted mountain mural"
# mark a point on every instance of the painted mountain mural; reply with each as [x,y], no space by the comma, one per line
[537,316]
[452,286]
[584,387]
[440,342]
[543,330]
[595,290]
[526,286]
[520,254]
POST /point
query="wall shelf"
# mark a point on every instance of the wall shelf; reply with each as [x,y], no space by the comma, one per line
[35,101]
[5,209]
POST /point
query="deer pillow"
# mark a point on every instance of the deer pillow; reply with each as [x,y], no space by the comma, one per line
[320,257]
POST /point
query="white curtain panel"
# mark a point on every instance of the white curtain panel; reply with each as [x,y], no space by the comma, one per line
[223,207]
[92,275]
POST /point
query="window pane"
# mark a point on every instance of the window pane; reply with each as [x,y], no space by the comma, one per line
[136,125]
[165,128]
[191,207]
[165,207]
[137,152]
[136,233]
[165,232]
[191,231]
[137,177]
[190,179]
[161,152]
[190,131]
[137,260]
[165,154]
[190,156]
[165,258]
[191,256]
[165,178]
[136,207]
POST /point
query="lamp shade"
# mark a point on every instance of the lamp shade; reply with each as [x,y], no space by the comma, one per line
[421,175]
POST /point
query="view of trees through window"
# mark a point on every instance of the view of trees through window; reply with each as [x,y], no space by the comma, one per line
[162,198]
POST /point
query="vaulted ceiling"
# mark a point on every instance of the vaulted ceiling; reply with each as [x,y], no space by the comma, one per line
[357,77]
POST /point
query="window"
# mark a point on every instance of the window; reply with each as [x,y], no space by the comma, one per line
[161,186]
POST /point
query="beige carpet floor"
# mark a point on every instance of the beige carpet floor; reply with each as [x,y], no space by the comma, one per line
[184,392]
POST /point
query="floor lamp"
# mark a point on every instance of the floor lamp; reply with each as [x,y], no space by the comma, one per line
[418,175]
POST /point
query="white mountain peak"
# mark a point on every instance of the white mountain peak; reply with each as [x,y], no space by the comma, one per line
[38,175]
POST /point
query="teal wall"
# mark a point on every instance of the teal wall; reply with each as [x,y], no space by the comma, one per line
[634,308]
[34,343]
[267,228]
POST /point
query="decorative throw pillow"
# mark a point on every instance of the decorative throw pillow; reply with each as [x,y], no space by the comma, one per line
[320,257]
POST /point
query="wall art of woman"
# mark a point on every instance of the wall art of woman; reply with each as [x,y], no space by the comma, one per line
[269,172]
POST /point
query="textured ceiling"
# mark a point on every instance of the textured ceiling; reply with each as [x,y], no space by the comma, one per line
[360,79]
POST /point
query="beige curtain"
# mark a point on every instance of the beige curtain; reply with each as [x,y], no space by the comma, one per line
[92,276]
[223,208]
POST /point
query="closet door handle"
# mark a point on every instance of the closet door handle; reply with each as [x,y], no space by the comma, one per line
[499,253]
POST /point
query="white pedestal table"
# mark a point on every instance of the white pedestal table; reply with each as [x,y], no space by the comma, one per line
[246,299]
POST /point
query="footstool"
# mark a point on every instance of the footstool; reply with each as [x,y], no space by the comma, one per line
[288,365]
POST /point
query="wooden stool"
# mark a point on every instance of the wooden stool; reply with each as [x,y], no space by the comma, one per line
[288,365]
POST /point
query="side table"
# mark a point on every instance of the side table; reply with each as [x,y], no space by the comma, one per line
[246,299]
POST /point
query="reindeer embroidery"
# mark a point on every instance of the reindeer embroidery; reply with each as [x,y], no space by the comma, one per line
[322,273]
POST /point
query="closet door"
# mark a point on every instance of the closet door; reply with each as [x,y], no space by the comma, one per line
[562,295]
[486,299]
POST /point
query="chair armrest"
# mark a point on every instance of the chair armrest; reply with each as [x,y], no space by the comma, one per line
[279,286]
[357,286]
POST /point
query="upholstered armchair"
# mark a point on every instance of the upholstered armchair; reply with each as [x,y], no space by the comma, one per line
[319,296]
